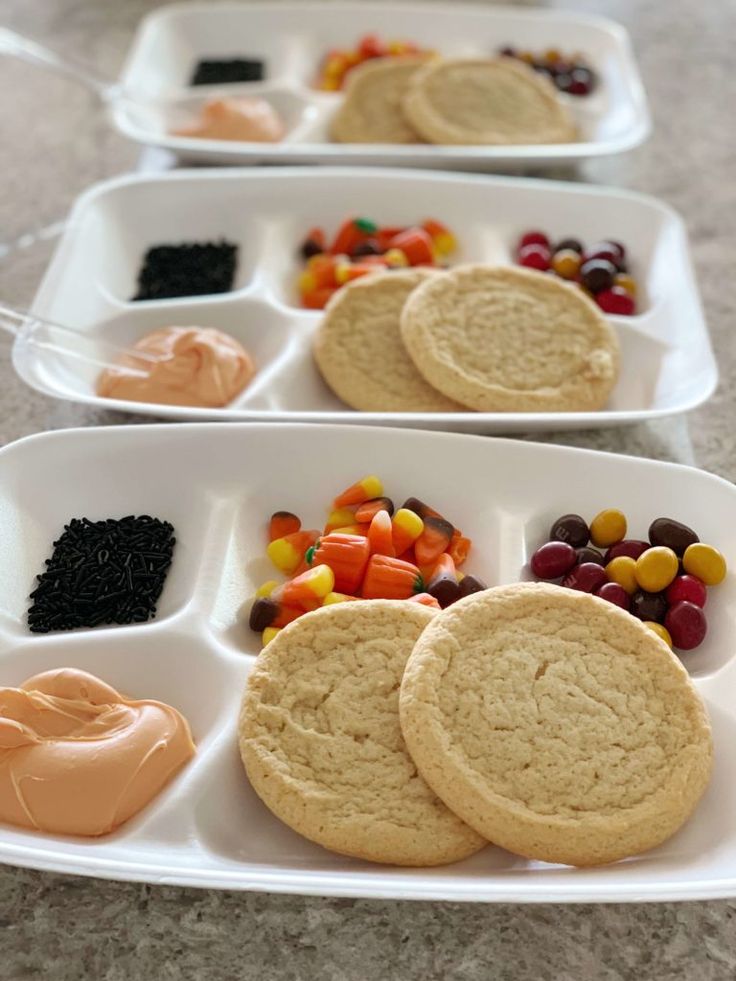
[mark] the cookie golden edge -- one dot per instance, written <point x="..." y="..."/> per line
<point x="450" y="379"/>
<point x="382" y="843"/>
<point x="508" y="823"/>
<point x="431" y="127"/>
<point x="357" y="390"/>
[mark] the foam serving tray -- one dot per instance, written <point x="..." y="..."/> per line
<point x="218" y="484"/>
<point x="292" y="39"/>
<point x="667" y="362"/>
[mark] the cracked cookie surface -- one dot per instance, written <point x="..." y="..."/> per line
<point x="556" y="724"/>
<point x="321" y="743"/>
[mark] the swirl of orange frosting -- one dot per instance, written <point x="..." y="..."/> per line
<point x="200" y="366"/>
<point x="78" y="758"/>
<point x="242" y="118"/>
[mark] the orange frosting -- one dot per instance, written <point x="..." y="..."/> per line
<point x="78" y="758"/>
<point x="242" y="118"/>
<point x="201" y="367"/>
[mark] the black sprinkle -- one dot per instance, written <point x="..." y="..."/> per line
<point x="187" y="269"/>
<point x="220" y="71"/>
<point x="109" y="571"/>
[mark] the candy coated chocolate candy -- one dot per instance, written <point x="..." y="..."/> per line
<point x="615" y="594"/>
<point x="705" y="562"/>
<point x="649" y="606"/>
<point x="570" y="243"/>
<point x="686" y="624"/>
<point x="535" y="257"/>
<point x="587" y="554"/>
<point x="656" y="568"/>
<point x="553" y="560"/>
<point x="608" y="527"/>
<point x="687" y="588"/>
<point x="533" y="238"/>
<point x="629" y="546"/>
<point x="617" y="301"/>
<point x="587" y="577"/>
<point x="570" y="528"/>
<point x="597" y="274"/>
<point x="673" y="534"/>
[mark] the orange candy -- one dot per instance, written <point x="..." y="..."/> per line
<point x="347" y="556"/>
<point x="388" y="578"/>
<point x="380" y="535"/>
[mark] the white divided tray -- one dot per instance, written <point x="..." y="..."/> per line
<point x="667" y="362"/>
<point x="218" y="484"/>
<point x="292" y="39"/>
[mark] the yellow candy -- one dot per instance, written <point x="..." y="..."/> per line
<point x="372" y="486"/>
<point x="705" y="562"/>
<point x="395" y="258"/>
<point x="409" y="522"/>
<point x="626" y="282"/>
<point x="349" y="530"/>
<point x="332" y="598"/>
<point x="320" y="580"/>
<point x="334" y="67"/>
<point x="267" y="588"/>
<point x="306" y="282"/>
<point x="397" y="47"/>
<point x="330" y="84"/>
<point x="268" y="634"/>
<point x="283" y="555"/>
<point x="656" y="568"/>
<point x="608" y="527"/>
<point x="662" y="632"/>
<point x="340" y="517"/>
<point x="622" y="570"/>
<point x="342" y="272"/>
<point x="445" y="243"/>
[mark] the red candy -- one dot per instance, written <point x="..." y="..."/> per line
<point x="535" y="256"/>
<point x="533" y="238"/>
<point x="588" y="577"/>
<point x="688" y="589"/>
<point x="553" y="560"/>
<point x="617" y="301"/>
<point x="687" y="625"/>
<point x="603" y="250"/>
<point x="615" y="594"/>
<point x="630" y="547"/>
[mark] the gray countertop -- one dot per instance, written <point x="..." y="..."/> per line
<point x="55" y="142"/>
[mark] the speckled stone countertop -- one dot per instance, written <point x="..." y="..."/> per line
<point x="55" y="141"/>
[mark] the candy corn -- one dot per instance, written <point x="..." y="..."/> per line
<point x="286" y="553"/>
<point x="366" y="551"/>
<point x="406" y="527"/>
<point x="379" y="535"/>
<point x="282" y="523"/>
<point x="359" y="492"/>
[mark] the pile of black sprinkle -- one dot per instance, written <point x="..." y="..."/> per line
<point x="220" y="71"/>
<point x="109" y="571"/>
<point x="188" y="269"/>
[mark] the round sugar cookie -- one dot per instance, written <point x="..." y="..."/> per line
<point x="321" y="742"/>
<point x="486" y="101"/>
<point x="371" y="110"/>
<point x="503" y="339"/>
<point x="555" y="724"/>
<point x="359" y="351"/>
